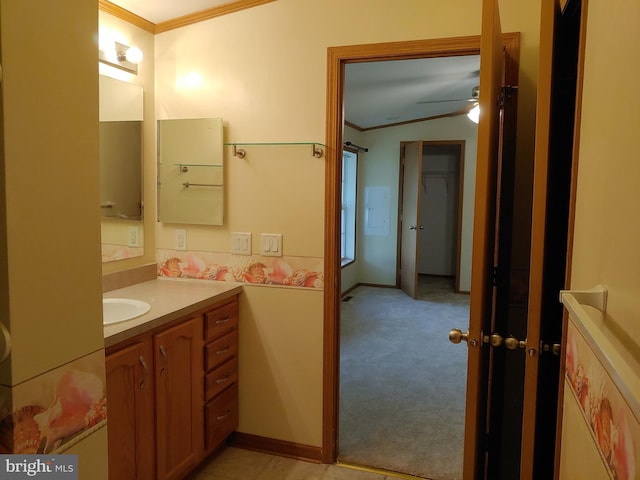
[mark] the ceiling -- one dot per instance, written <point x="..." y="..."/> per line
<point x="158" y="11"/>
<point x="376" y="93"/>
<point x="384" y="93"/>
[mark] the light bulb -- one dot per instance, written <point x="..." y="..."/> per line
<point x="474" y="113"/>
<point x="134" y="55"/>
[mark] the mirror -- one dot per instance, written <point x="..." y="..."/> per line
<point x="190" y="183"/>
<point x="121" y="167"/>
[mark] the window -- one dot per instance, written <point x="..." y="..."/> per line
<point x="348" y="223"/>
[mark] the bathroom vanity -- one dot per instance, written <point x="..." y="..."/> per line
<point x="172" y="378"/>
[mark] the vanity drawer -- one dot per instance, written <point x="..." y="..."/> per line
<point x="221" y="320"/>
<point x="221" y="417"/>
<point x="221" y="350"/>
<point x="220" y="378"/>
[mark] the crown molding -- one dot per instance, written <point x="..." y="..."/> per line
<point x="127" y="16"/>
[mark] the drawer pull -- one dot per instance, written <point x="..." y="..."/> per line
<point x="223" y="351"/>
<point x="144" y="372"/>
<point x="222" y="379"/>
<point x="164" y="360"/>
<point x="222" y="417"/>
<point x="223" y="320"/>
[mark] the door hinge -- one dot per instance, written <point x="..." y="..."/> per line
<point x="506" y="94"/>
<point x="494" y="276"/>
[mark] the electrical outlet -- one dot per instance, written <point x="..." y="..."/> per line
<point x="241" y="243"/>
<point x="132" y="239"/>
<point x="271" y="245"/>
<point x="181" y="239"/>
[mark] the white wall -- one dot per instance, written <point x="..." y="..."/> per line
<point x="377" y="254"/>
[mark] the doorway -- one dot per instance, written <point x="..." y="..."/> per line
<point x="337" y="58"/>
<point x="402" y="409"/>
<point x="406" y="413"/>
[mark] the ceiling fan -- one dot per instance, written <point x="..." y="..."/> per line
<point x="475" y="95"/>
<point x="472" y="110"/>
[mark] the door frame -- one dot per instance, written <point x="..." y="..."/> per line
<point x="337" y="58"/>
<point x="461" y="144"/>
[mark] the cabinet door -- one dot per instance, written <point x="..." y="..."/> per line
<point x="179" y="398"/>
<point x="130" y="412"/>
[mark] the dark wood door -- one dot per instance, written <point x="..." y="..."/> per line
<point x="555" y="121"/>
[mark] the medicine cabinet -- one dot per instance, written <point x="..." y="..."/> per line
<point x="190" y="171"/>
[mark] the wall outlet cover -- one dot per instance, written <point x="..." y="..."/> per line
<point x="181" y="239"/>
<point x="133" y="234"/>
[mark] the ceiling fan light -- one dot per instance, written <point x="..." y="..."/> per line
<point x="474" y="113"/>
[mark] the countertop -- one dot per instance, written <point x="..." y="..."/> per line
<point x="170" y="299"/>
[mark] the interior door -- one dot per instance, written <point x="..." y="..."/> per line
<point x="554" y="146"/>
<point x="484" y="237"/>
<point x="411" y="193"/>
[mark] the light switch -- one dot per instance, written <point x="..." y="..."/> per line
<point x="241" y="243"/>
<point x="271" y="244"/>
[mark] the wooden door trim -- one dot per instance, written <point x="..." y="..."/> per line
<point x="337" y="58"/>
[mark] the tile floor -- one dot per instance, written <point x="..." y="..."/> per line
<point x="239" y="464"/>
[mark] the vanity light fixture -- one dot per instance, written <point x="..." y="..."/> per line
<point x="120" y="56"/>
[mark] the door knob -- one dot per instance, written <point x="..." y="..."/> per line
<point x="413" y="227"/>
<point x="456" y="335"/>
<point x="512" y="343"/>
<point x="495" y="340"/>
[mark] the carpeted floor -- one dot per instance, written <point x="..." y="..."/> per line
<point x="402" y="383"/>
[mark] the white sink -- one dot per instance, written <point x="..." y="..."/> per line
<point x="120" y="309"/>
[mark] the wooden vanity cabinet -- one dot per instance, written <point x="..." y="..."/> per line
<point x="178" y="377"/>
<point x="172" y="395"/>
<point x="221" y="373"/>
<point x="130" y="392"/>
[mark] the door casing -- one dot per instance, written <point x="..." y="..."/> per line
<point x="337" y="58"/>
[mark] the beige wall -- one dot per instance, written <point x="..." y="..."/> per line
<point x="50" y="107"/>
<point x="263" y="70"/>
<point x="131" y="35"/>
<point x="50" y="262"/>
<point x="607" y="232"/>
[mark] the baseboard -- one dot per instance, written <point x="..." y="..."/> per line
<point x="376" y="285"/>
<point x="276" y="447"/>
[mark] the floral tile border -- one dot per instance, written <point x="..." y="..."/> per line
<point x="111" y="252"/>
<point x="613" y="425"/>
<point x="53" y="411"/>
<point x="300" y="272"/>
